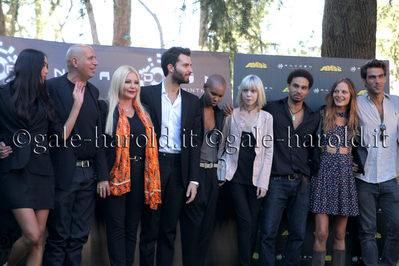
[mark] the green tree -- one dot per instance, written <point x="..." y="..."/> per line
<point x="349" y="28"/>
<point x="388" y="30"/>
<point x="233" y="26"/>
<point x="9" y="25"/>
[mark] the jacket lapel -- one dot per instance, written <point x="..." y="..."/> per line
<point x="39" y="114"/>
<point x="5" y="95"/>
<point x="65" y="95"/>
<point x="184" y="108"/>
<point x="157" y="98"/>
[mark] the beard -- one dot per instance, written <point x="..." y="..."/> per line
<point x="179" y="78"/>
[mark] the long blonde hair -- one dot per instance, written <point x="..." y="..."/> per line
<point x="351" y="110"/>
<point x="116" y="88"/>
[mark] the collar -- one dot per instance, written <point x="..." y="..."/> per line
<point x="304" y="105"/>
<point x="366" y="94"/>
<point x="163" y="91"/>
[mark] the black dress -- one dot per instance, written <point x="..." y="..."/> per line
<point x="26" y="175"/>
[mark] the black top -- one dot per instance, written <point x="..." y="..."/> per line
<point x="246" y="158"/>
<point x="137" y="137"/>
<point x="291" y="152"/>
<point x="86" y="122"/>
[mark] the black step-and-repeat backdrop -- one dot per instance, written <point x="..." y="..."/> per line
<point x="146" y="61"/>
<point x="273" y="70"/>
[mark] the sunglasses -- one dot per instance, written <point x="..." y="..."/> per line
<point x="383" y="128"/>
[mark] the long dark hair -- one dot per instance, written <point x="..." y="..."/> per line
<point x="27" y="85"/>
<point x="351" y="110"/>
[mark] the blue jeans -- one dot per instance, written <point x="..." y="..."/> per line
<point x="386" y="195"/>
<point x="70" y="221"/>
<point x="283" y="192"/>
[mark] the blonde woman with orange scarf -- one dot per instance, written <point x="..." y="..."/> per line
<point x="132" y="157"/>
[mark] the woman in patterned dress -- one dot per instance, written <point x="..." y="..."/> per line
<point x="333" y="189"/>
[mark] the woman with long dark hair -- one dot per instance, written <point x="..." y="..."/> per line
<point x="26" y="176"/>
<point x="133" y="166"/>
<point x="333" y="189"/>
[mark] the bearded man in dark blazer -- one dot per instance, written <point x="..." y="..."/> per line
<point x="176" y="117"/>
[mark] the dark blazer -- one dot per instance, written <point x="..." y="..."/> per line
<point x="219" y="116"/>
<point x="190" y="122"/>
<point x="29" y="143"/>
<point x="65" y="156"/>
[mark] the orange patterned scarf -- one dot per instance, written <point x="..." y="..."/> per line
<point x="120" y="173"/>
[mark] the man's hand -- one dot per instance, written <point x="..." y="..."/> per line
<point x="78" y="93"/>
<point x="355" y="167"/>
<point x="103" y="189"/>
<point x="191" y="192"/>
<point x="228" y="109"/>
<point x="260" y="192"/>
<point x="4" y="150"/>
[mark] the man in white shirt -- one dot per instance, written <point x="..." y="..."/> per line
<point x="176" y="117"/>
<point x="378" y="117"/>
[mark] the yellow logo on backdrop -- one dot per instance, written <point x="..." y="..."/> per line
<point x="362" y="92"/>
<point x="377" y="235"/>
<point x="286" y="90"/>
<point x="328" y="258"/>
<point x="285" y="233"/>
<point x="256" y="65"/>
<point x="331" y="68"/>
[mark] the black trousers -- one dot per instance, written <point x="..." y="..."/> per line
<point x="159" y="227"/>
<point x="70" y="221"/>
<point x="198" y="219"/>
<point x="122" y="215"/>
<point x="247" y="208"/>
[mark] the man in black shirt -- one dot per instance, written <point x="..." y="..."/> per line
<point x="294" y="123"/>
<point x="78" y="163"/>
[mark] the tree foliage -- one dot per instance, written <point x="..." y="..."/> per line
<point x="349" y="28"/>
<point x="388" y="31"/>
<point x="233" y="25"/>
<point x="9" y="25"/>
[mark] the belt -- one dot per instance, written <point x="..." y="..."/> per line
<point x="136" y="158"/>
<point x="169" y="155"/>
<point x="293" y="177"/>
<point x="84" y="163"/>
<point x="210" y="165"/>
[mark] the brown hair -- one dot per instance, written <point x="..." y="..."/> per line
<point x="351" y="111"/>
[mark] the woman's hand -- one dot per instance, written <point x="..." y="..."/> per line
<point x="78" y="93"/>
<point x="4" y="150"/>
<point x="103" y="189"/>
<point x="261" y="192"/>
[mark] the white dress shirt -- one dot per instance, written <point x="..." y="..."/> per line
<point x="382" y="157"/>
<point x="170" y="141"/>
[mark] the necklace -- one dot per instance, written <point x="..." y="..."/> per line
<point x="126" y="110"/>
<point x="292" y="113"/>
<point x="341" y="114"/>
<point x="243" y="106"/>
